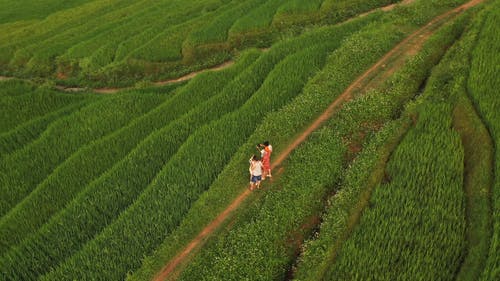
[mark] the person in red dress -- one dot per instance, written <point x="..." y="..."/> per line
<point x="265" y="152"/>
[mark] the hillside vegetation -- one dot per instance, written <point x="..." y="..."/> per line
<point x="384" y="124"/>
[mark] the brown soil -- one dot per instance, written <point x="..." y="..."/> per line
<point x="422" y="34"/>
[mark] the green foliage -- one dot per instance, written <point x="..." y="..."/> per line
<point x="117" y="42"/>
<point x="366" y="171"/>
<point x="11" y="11"/>
<point x="18" y="109"/>
<point x="277" y="126"/>
<point x="186" y="176"/>
<point x="256" y="239"/>
<point x="76" y="171"/>
<point x="24" y="169"/>
<point x="414" y="226"/>
<point x="14" y="87"/>
<point x="29" y="131"/>
<point x="482" y="82"/>
<point x="100" y="201"/>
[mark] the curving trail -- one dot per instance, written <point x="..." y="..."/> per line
<point x="406" y="47"/>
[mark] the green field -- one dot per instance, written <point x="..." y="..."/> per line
<point x="110" y="168"/>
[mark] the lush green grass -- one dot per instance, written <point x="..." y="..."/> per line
<point x="23" y="170"/>
<point x="285" y="213"/>
<point x="482" y="82"/>
<point x="11" y="11"/>
<point x="117" y="42"/>
<point x="79" y="169"/>
<point x="29" y="131"/>
<point x="366" y="171"/>
<point x="112" y="187"/>
<point x="15" y="110"/>
<point x="14" y="87"/>
<point x="187" y="175"/>
<point x="100" y="202"/>
<point x="414" y="227"/>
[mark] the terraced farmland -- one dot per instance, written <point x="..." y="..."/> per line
<point x="127" y="127"/>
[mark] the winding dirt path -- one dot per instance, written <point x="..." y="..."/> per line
<point x="421" y="34"/>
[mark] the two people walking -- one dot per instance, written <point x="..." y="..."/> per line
<point x="260" y="167"/>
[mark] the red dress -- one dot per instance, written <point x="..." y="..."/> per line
<point x="266" y="160"/>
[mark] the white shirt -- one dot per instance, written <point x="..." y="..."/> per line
<point x="256" y="167"/>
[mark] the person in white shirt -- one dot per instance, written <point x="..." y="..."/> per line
<point x="255" y="172"/>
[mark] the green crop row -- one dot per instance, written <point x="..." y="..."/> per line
<point x="117" y="43"/>
<point x="254" y="26"/>
<point x="38" y="58"/>
<point x="109" y="42"/>
<point x="188" y="174"/>
<point x="92" y="160"/>
<point x="165" y="48"/>
<point x="9" y="29"/>
<point x="478" y="179"/>
<point x="296" y="12"/>
<point x="158" y="30"/>
<point x="14" y="87"/>
<point x="22" y="171"/>
<point x="478" y="160"/>
<point x="74" y="173"/>
<point x="27" y="132"/>
<point x="27" y="10"/>
<point x="16" y="110"/>
<point x="126" y="175"/>
<point x="367" y="169"/>
<point x="482" y="84"/>
<point x="334" y="10"/>
<point x="56" y="24"/>
<point x="101" y="202"/>
<point x="280" y="127"/>
<point x="213" y="37"/>
<point x="414" y="226"/>
<point x="284" y="212"/>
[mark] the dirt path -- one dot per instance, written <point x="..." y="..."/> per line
<point x="422" y="34"/>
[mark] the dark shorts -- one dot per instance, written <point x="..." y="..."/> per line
<point x="256" y="179"/>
